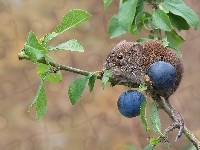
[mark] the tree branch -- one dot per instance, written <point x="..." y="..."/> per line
<point x="163" y="104"/>
<point x="60" y="66"/>
<point x="175" y="116"/>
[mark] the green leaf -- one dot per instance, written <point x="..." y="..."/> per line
<point x="184" y="11"/>
<point x="142" y="40"/>
<point x="178" y="22"/>
<point x="165" y="42"/>
<point x="106" y="3"/>
<point x="140" y="2"/>
<point x="72" y="45"/>
<point x="52" y="77"/>
<point x="107" y="74"/>
<point x="137" y="24"/>
<point x="70" y="20"/>
<point x="143" y="114"/>
<point x="136" y="28"/>
<point x="33" y="49"/>
<point x="175" y="1"/>
<point x="76" y="89"/>
<point x="48" y="37"/>
<point x="175" y="41"/>
<point x="141" y="19"/>
<point x="154" y="118"/>
<point x="146" y="19"/>
<point x="40" y="100"/>
<point x="114" y="28"/>
<point x="127" y="13"/>
<point x="139" y="11"/>
<point x="154" y="141"/>
<point x="161" y="20"/>
<point x="91" y="82"/>
<point x="41" y="104"/>
<point x="149" y="147"/>
<point x="142" y="87"/>
<point x="163" y="8"/>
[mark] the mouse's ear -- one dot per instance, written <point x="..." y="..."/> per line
<point x="138" y="48"/>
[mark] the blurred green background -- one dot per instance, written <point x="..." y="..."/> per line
<point x="94" y="123"/>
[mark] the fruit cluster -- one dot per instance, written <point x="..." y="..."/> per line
<point x="163" y="76"/>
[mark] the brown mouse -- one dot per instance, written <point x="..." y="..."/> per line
<point x="129" y="62"/>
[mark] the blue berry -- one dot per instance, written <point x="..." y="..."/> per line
<point x="162" y="75"/>
<point x="129" y="103"/>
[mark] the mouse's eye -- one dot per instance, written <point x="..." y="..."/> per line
<point x="120" y="57"/>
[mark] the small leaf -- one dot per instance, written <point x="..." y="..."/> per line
<point x="154" y="141"/>
<point x="139" y="11"/>
<point x="154" y="118"/>
<point x="76" y="89"/>
<point x="40" y="100"/>
<point x="142" y="40"/>
<point x="127" y="13"/>
<point x="143" y="114"/>
<point x="48" y="37"/>
<point x="146" y="19"/>
<point x="141" y="19"/>
<point x="33" y="49"/>
<point x="91" y="82"/>
<point x="149" y="147"/>
<point x="41" y="104"/>
<point x="165" y="42"/>
<point x="72" y="45"/>
<point x="107" y="3"/>
<point x="52" y="77"/>
<point x="107" y="74"/>
<point x="184" y="11"/>
<point x="114" y="28"/>
<point x="174" y="41"/>
<point x="136" y="27"/>
<point x="178" y="22"/>
<point x="161" y="20"/>
<point x="142" y="87"/>
<point x="70" y="20"/>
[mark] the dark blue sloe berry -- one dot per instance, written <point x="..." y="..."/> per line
<point x="129" y="103"/>
<point x="162" y="75"/>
